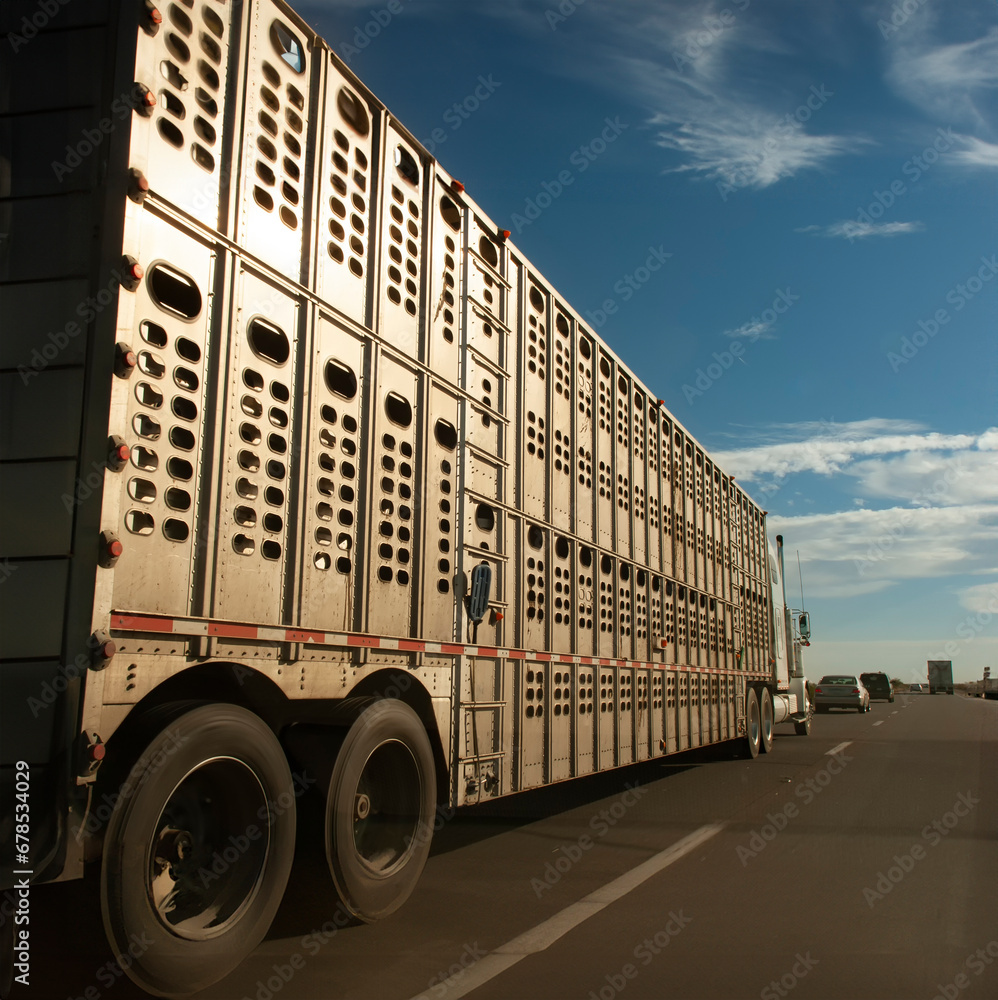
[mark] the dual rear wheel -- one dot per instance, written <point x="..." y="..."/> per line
<point x="199" y="844"/>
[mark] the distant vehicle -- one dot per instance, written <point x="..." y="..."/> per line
<point x="918" y="688"/>
<point x="940" y="676"/>
<point x="986" y="688"/>
<point x="879" y="685"/>
<point x="841" y="691"/>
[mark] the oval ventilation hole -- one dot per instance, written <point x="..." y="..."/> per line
<point x="206" y="102"/>
<point x="445" y="434"/>
<point x="246" y="489"/>
<point x="174" y="291"/>
<point x="353" y="111"/>
<point x="244" y="545"/>
<point x="170" y="133"/>
<point x="289" y="48"/>
<point x="144" y="458"/>
<point x="186" y="379"/>
<point x="340" y="379"/>
<point x="451" y="213"/>
<point x="138" y="522"/>
<point x="268" y="341"/>
<point x="146" y="427"/>
<point x="399" y="409"/>
<point x="406" y="164"/>
<point x="176" y="530"/>
<point x="202" y="157"/>
<point x="141" y="490"/>
<point x="485" y="517"/>
<point x="182" y="438"/>
<point x="213" y="21"/>
<point x="178" y="499"/>
<point x="488" y="251"/>
<point x="184" y="408"/>
<point x="148" y="396"/>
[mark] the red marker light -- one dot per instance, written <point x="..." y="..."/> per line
<point x="457" y="186"/>
<point x="136" y="272"/>
<point x="123" y="452"/>
<point x="97" y="751"/>
<point x="115" y="548"/>
<point x="155" y="16"/>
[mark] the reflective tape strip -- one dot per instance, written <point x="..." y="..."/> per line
<point x="233" y="630"/>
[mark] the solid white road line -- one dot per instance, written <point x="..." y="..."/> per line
<point x="880" y="723"/>
<point x="838" y="749"/>
<point x="546" y="933"/>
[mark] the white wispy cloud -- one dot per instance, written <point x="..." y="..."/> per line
<point x="941" y="494"/>
<point x="856" y="552"/>
<point x="753" y="330"/>
<point x="949" y="80"/>
<point x="982" y="598"/>
<point x="833" y="448"/>
<point x="850" y="229"/>
<point x="741" y="147"/>
<point x="978" y="152"/>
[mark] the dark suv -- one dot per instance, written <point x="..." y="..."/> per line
<point x="879" y="685"/>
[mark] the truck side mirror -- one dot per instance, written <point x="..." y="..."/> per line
<point x="804" y="625"/>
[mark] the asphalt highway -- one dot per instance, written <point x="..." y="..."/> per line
<point x="858" y="862"/>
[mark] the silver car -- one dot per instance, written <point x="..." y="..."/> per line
<point x="841" y="691"/>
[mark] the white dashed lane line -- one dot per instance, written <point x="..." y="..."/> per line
<point x="546" y="933"/>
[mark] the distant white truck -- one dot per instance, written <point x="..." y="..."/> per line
<point x="940" y="676"/>
<point x="986" y="688"/>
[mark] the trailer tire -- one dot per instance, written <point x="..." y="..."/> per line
<point x="753" y="736"/>
<point x="380" y="809"/>
<point x="198" y="848"/>
<point x="766" y="717"/>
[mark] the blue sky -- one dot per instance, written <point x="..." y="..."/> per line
<point x="823" y="179"/>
